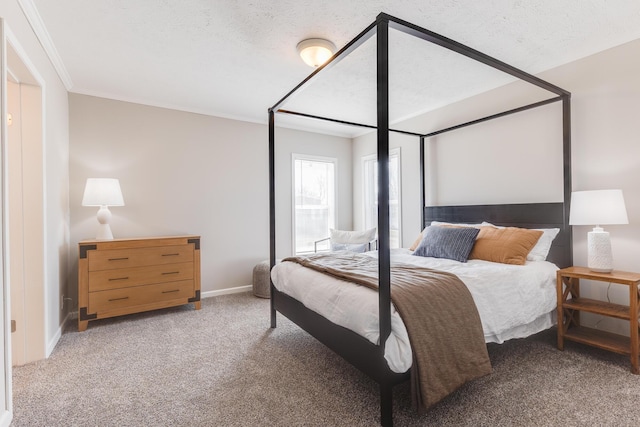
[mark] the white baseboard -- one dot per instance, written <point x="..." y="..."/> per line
<point x="227" y="291"/>
<point x="54" y="341"/>
<point x="6" y="418"/>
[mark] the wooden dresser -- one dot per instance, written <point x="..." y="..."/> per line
<point x="124" y="276"/>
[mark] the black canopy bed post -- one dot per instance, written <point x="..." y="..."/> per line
<point x="272" y="209"/>
<point x="384" y="264"/>
<point x="566" y="157"/>
<point x="384" y="252"/>
<point x="423" y="185"/>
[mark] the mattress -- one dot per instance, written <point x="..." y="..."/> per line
<point x="513" y="301"/>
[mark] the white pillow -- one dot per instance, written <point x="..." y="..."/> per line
<point x="540" y="251"/>
<point x="352" y="237"/>
<point x="350" y="247"/>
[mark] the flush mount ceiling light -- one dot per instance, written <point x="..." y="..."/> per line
<point x="315" y="52"/>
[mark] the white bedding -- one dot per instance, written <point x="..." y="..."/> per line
<point x="513" y="301"/>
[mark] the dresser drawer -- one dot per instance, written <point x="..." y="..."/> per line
<point x="126" y="277"/>
<point x="116" y="299"/>
<point x="138" y="257"/>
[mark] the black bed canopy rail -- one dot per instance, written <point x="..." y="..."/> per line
<point x="343" y="122"/>
<point x="494" y="116"/>
<point x="432" y="133"/>
<point x="447" y="43"/>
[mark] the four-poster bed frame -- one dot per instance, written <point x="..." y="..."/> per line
<point x="357" y="350"/>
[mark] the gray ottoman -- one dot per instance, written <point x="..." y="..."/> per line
<point x="261" y="282"/>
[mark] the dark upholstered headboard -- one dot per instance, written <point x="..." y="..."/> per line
<point x="528" y="215"/>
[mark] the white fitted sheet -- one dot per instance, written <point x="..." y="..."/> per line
<point x="513" y="301"/>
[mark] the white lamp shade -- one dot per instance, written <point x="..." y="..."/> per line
<point x="315" y="52"/>
<point x="598" y="207"/>
<point x="102" y="192"/>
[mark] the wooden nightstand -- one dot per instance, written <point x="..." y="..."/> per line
<point x="568" y="285"/>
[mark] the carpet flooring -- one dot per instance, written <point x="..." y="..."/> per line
<point x="223" y="366"/>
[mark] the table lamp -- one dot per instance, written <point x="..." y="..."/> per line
<point x="103" y="192"/>
<point x="597" y="208"/>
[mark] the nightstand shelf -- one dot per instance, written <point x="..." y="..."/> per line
<point x="570" y="304"/>
<point x="599" y="307"/>
<point x="601" y="339"/>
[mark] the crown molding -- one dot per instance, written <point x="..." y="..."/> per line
<point x="33" y="16"/>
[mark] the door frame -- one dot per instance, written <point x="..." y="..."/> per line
<point x="6" y="412"/>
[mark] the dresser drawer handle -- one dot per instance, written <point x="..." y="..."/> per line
<point x="176" y="254"/>
<point x="118" y="299"/>
<point x="170" y="272"/>
<point x="119" y="259"/>
<point x="118" y="278"/>
<point x="168" y="292"/>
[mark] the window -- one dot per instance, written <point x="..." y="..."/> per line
<point x="370" y="183"/>
<point x="314" y="201"/>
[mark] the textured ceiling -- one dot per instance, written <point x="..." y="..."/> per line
<point x="236" y="58"/>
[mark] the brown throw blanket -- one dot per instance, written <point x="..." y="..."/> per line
<point x="440" y="316"/>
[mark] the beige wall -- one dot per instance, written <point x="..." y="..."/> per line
<point x="189" y="173"/>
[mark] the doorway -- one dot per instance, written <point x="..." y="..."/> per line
<point x="24" y="207"/>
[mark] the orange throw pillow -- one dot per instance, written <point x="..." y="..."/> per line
<point x="416" y="243"/>
<point x="509" y="245"/>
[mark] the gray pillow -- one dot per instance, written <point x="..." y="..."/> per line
<point x="447" y="242"/>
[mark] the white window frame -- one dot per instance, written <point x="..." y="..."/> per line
<point x="366" y="190"/>
<point x="307" y="157"/>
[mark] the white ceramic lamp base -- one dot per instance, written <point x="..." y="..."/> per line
<point x="600" y="258"/>
<point x="104" y="230"/>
